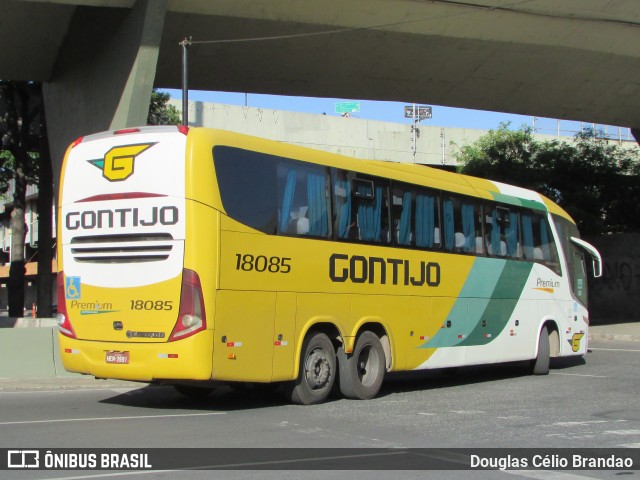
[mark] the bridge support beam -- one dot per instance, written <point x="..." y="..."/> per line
<point x="104" y="73"/>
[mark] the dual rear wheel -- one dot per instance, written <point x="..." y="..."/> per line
<point x="359" y="375"/>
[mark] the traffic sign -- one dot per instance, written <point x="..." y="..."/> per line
<point x="347" y="107"/>
<point x="421" y="111"/>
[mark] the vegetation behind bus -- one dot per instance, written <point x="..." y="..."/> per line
<point x="596" y="180"/>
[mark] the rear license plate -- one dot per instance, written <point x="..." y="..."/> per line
<point x="117" y="357"/>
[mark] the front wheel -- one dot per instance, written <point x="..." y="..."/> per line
<point x="317" y="371"/>
<point x="362" y="373"/>
<point x="540" y="365"/>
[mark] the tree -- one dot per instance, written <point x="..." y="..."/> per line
<point x="19" y="132"/>
<point x="596" y="181"/>
<point x="160" y="112"/>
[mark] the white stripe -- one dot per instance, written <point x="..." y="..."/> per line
<point x="547" y="475"/>
<point x="578" y="375"/>
<point x="91" y="419"/>
<point x="64" y="390"/>
<point x="614" y="349"/>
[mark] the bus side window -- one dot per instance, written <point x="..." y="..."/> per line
<point x="462" y="229"/>
<point x="371" y="210"/>
<point x="342" y="205"/>
<point x="502" y="231"/>
<point x="415" y="218"/>
<point x="402" y="213"/>
<point x="303" y="207"/>
<point x="538" y="242"/>
<point x="427" y="224"/>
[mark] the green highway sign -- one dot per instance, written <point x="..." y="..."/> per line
<point x="347" y="107"/>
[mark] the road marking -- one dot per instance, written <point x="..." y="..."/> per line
<point x="91" y="419"/>
<point x="547" y="475"/>
<point x="578" y="375"/>
<point x="578" y="423"/>
<point x="622" y="432"/>
<point x="62" y="390"/>
<point x="614" y="349"/>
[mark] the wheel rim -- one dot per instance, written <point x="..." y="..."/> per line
<point x="368" y="365"/>
<point x="317" y="369"/>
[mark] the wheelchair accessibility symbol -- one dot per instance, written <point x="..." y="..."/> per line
<point x="72" y="288"/>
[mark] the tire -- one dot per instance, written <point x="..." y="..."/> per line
<point x="317" y="372"/>
<point x="540" y="365"/>
<point x="361" y="374"/>
<point x="193" y="392"/>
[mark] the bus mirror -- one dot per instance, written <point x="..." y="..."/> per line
<point x="593" y="252"/>
<point x="597" y="268"/>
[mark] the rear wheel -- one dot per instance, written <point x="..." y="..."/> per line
<point x="317" y="371"/>
<point x="362" y="373"/>
<point x="540" y="365"/>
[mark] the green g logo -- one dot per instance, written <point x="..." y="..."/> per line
<point x="117" y="164"/>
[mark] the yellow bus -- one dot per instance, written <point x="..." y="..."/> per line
<point x="197" y="257"/>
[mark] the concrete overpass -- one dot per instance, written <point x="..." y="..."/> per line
<point x="575" y="59"/>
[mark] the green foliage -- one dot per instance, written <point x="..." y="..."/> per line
<point x="596" y="181"/>
<point x="160" y="112"/>
<point x="19" y="131"/>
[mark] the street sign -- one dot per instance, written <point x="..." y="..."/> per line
<point x="422" y="111"/>
<point x="347" y="107"/>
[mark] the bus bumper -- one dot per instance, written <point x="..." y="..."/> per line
<point x="187" y="359"/>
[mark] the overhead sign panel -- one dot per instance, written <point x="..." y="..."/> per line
<point x="347" y="107"/>
<point x="421" y="111"/>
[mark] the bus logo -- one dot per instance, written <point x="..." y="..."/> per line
<point x="72" y="288"/>
<point x="117" y="164"/>
<point x="575" y="341"/>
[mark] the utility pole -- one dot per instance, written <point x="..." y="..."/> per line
<point x="185" y="80"/>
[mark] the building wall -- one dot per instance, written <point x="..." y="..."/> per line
<point x="614" y="296"/>
<point x="354" y="137"/>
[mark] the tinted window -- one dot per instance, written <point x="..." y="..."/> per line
<point x="415" y="216"/>
<point x="502" y="231"/>
<point x="537" y="240"/>
<point x="361" y="207"/>
<point x="273" y="194"/>
<point x="303" y="199"/>
<point x="247" y="183"/>
<point x="461" y="224"/>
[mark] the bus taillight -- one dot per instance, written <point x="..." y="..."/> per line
<point x="64" y="325"/>
<point x="191" y="316"/>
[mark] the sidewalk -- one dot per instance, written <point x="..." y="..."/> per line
<point x="622" y="332"/>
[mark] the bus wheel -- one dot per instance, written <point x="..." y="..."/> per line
<point x="317" y="371"/>
<point x="193" y="392"/>
<point x="540" y="364"/>
<point x="362" y="373"/>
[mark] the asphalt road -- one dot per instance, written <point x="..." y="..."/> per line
<point x="583" y="403"/>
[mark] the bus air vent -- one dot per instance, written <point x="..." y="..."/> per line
<point x="122" y="248"/>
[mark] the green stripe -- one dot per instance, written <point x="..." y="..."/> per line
<point x="503" y="302"/>
<point x="489" y="295"/>
<point x="520" y="202"/>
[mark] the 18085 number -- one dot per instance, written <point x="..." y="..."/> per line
<point x="261" y="263"/>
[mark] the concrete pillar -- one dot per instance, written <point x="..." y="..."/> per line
<point x="104" y="73"/>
